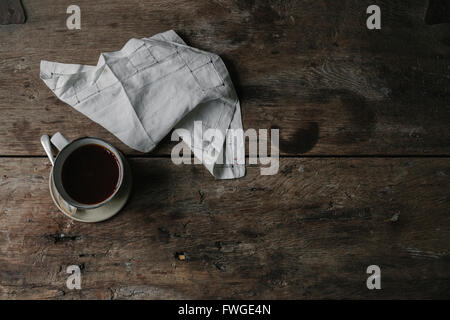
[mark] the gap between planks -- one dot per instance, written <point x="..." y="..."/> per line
<point x="344" y="156"/>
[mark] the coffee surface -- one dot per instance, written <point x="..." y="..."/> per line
<point x="90" y="174"/>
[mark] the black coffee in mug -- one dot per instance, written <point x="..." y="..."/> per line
<point x="90" y="174"/>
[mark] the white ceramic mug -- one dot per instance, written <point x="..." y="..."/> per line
<point x="65" y="149"/>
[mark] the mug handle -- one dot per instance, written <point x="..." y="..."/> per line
<point x="59" y="141"/>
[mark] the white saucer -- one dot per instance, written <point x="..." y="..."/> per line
<point x="101" y="213"/>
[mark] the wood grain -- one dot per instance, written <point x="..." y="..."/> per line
<point x="371" y="108"/>
<point x="308" y="232"/>
<point x="310" y="68"/>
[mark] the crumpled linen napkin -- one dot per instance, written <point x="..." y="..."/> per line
<point x="153" y="85"/>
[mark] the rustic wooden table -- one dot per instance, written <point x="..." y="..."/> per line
<point x="364" y="169"/>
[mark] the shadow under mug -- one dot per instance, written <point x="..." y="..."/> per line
<point x="65" y="149"/>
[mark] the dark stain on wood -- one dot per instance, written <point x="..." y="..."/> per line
<point x="438" y="12"/>
<point x="11" y="12"/>
<point x="303" y="140"/>
<point x="360" y="115"/>
<point x="163" y="235"/>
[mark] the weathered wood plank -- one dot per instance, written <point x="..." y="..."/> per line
<point x="310" y="68"/>
<point x="308" y="232"/>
